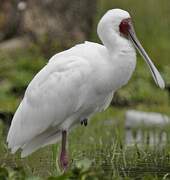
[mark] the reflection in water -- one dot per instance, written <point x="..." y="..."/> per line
<point x="149" y="137"/>
<point x="146" y="128"/>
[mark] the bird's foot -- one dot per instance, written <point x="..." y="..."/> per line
<point x="84" y="122"/>
<point x="64" y="160"/>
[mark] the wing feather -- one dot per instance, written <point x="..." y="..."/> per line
<point x="51" y="97"/>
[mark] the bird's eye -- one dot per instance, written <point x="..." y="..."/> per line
<point x="124" y="26"/>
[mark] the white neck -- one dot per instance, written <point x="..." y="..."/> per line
<point x="122" y="56"/>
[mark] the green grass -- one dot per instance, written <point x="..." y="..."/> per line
<point x="98" y="151"/>
<point x="16" y="71"/>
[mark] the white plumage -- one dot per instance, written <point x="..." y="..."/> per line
<point x="75" y="84"/>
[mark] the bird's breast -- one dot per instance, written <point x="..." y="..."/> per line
<point x="123" y="67"/>
<point x="116" y="73"/>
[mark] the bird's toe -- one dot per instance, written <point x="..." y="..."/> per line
<point x="84" y="121"/>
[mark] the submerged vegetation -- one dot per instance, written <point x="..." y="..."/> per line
<point x="98" y="151"/>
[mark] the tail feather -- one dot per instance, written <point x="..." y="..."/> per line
<point x="50" y="136"/>
<point x="14" y="149"/>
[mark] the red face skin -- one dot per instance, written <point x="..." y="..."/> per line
<point x="125" y="26"/>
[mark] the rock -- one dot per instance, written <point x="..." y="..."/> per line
<point x="56" y="22"/>
<point x="15" y="43"/>
<point x="50" y="23"/>
<point x="9" y="19"/>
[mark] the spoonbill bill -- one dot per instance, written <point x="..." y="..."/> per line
<point x="76" y="84"/>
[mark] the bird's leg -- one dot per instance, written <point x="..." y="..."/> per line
<point x="64" y="160"/>
<point x="84" y="121"/>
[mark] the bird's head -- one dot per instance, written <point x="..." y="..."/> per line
<point x="116" y="25"/>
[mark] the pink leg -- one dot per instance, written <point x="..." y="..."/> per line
<point x="64" y="160"/>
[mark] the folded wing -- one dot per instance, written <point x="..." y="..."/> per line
<point x="51" y="97"/>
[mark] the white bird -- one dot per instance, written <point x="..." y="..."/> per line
<point x="75" y="84"/>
